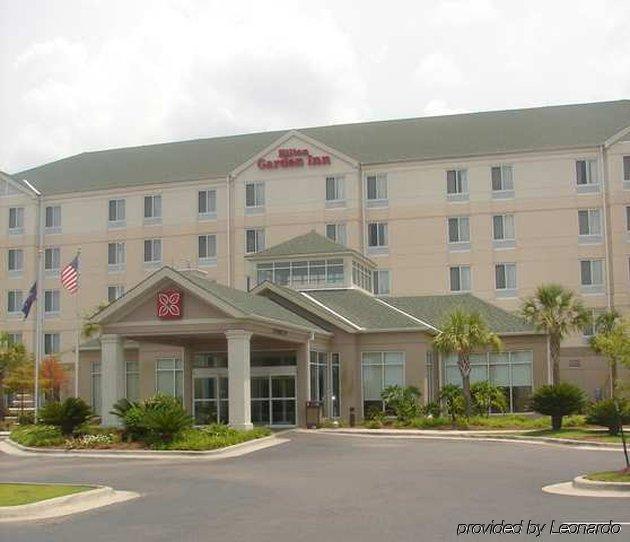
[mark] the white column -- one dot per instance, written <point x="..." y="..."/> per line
<point x="112" y="376"/>
<point x="239" y="378"/>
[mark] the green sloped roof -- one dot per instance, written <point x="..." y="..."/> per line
<point x="435" y="308"/>
<point x="451" y="136"/>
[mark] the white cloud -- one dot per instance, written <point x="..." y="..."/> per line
<point x="439" y="69"/>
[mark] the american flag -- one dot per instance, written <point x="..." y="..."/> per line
<point x="70" y="276"/>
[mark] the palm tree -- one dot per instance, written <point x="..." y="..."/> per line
<point x="463" y="333"/>
<point x="556" y="311"/>
<point x="612" y="339"/>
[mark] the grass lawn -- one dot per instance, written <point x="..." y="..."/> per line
<point x="15" y="494"/>
<point x="578" y="434"/>
<point x="610" y="476"/>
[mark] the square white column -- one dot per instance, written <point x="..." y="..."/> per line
<point x="239" y="378"/>
<point x="112" y="376"/>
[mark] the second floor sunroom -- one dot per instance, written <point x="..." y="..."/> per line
<point x="312" y="262"/>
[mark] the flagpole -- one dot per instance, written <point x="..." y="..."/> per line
<point x="78" y="333"/>
<point x="39" y="318"/>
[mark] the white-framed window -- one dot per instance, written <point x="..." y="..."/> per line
<point x="376" y="190"/>
<point x="254" y="240"/>
<point x="299" y="274"/>
<point x="114" y="292"/>
<point x="586" y="174"/>
<point x="207" y="203"/>
<point x="207" y="249"/>
<point x="626" y="172"/>
<point x="457" y="184"/>
<point x="95" y="381"/>
<point x="503" y="231"/>
<point x="16" y="220"/>
<point x="152" y="251"/>
<point x="15" y="337"/>
<point x="254" y="196"/>
<point x="15" y="262"/>
<point x="52" y="344"/>
<point x="15" y="300"/>
<point x="116" y="213"/>
<point x="335" y="191"/>
<point x="337" y="232"/>
<point x="380" y="369"/>
<point x="459" y="278"/>
<point x="116" y="256"/>
<point x="169" y="377"/>
<point x="458" y="232"/>
<point x="132" y="380"/>
<point x="381" y="281"/>
<point x="52" y="302"/>
<point x="377" y="236"/>
<point x="589" y="225"/>
<point x="362" y="276"/>
<point x="628" y="218"/>
<point x="505" y="279"/>
<point x="52" y="261"/>
<point x="592" y="276"/>
<point x="52" y="219"/>
<point x="153" y="209"/>
<point x="502" y="181"/>
<point x="590" y="329"/>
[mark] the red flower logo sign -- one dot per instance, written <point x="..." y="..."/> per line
<point x="169" y="305"/>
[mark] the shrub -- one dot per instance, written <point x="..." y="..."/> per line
<point x="486" y="397"/>
<point x="605" y="413"/>
<point x="428" y="423"/>
<point x="452" y="398"/>
<point x="91" y="441"/>
<point x="214" y="436"/>
<point x="403" y="401"/>
<point x="558" y="401"/>
<point x="373" y="424"/>
<point x="92" y="429"/>
<point x="431" y="409"/>
<point x="37" y="435"/>
<point x="67" y="415"/>
<point x="26" y="418"/>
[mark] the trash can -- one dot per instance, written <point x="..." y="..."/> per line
<point x="313" y="414"/>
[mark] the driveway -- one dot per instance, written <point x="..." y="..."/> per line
<point x="325" y="488"/>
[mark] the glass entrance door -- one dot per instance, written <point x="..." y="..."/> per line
<point x="210" y="400"/>
<point x="273" y="400"/>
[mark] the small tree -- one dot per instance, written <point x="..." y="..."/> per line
<point x="21" y="379"/>
<point x="610" y="413"/>
<point x="53" y="377"/>
<point x="558" y="401"/>
<point x="462" y="334"/>
<point x="486" y="397"/>
<point x="403" y="401"/>
<point x="555" y="310"/>
<point x="612" y="340"/>
<point x="452" y="400"/>
<point x="11" y="355"/>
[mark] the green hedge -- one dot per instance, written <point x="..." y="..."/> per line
<point x="37" y="435"/>
<point x="214" y="436"/>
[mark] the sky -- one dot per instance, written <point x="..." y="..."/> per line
<point x="87" y="75"/>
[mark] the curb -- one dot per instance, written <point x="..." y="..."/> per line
<point x="66" y="504"/>
<point x="582" y="482"/>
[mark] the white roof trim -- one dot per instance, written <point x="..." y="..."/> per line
<point x="616" y="137"/>
<point x="418" y="320"/>
<point x="336" y="314"/>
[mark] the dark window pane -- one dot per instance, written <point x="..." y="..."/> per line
<point x="580" y="171"/>
<point x="496" y="178"/>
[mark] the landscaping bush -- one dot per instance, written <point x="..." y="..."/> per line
<point x="428" y="423"/>
<point x="605" y="413"/>
<point x="37" y="435"/>
<point x="66" y="415"/>
<point x="431" y="409"/>
<point x="103" y="440"/>
<point x="213" y="436"/>
<point x="92" y="429"/>
<point x="26" y="418"/>
<point x="487" y="397"/>
<point x="403" y="401"/>
<point x="452" y="399"/>
<point x="558" y="401"/>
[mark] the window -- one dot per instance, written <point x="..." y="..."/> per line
<point x="505" y="279"/>
<point x="459" y="277"/>
<point x="335" y="193"/>
<point x="169" y="377"/>
<point x="51" y="344"/>
<point x="592" y="276"/>
<point x="586" y="175"/>
<point x="15" y="261"/>
<point x="628" y="218"/>
<point x="53" y="219"/>
<point x="116" y="256"/>
<point x="95" y="375"/>
<point x="590" y="328"/>
<point x="207" y="203"/>
<point x="254" y="196"/>
<point x="132" y="381"/>
<point x="459" y="232"/>
<point x="51" y="302"/>
<point x="116" y="213"/>
<point x="152" y="251"/>
<point x="337" y="233"/>
<point x="152" y="209"/>
<point x="52" y="261"/>
<point x="15" y="337"/>
<point x="211" y="399"/>
<point x="380" y="369"/>
<point x="377" y="236"/>
<point x="114" y="292"/>
<point x="324" y="375"/>
<point x="376" y="188"/>
<point x="502" y="181"/>
<point x="590" y="225"/>
<point x="302" y="273"/>
<point x="15" y="300"/>
<point x="274" y="400"/>
<point x="254" y="240"/>
<point x="503" y="234"/>
<point x="626" y="171"/>
<point x="457" y="184"/>
<point x="207" y="249"/>
<point x="16" y="220"/>
<point x="382" y="282"/>
<point x="362" y="276"/>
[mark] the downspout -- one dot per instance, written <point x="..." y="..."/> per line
<point x="607" y="248"/>
<point x="363" y="211"/>
<point x="229" y="229"/>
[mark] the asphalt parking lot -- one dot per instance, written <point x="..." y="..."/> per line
<point x="325" y="488"/>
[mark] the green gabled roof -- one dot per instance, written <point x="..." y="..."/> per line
<point x="311" y="243"/>
<point x="435" y="308"/>
<point x="450" y="136"/>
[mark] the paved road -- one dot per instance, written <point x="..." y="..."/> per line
<point x="324" y="488"/>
